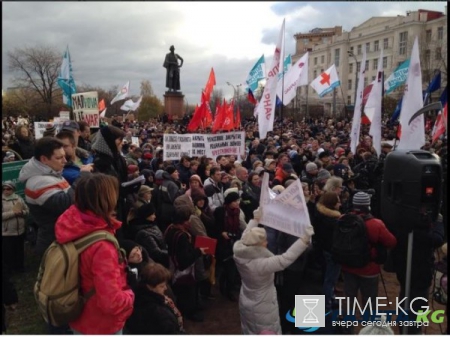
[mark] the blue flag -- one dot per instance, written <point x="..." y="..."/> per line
<point x="256" y="74"/>
<point x="443" y="98"/>
<point x="397" y="110"/>
<point x="65" y="79"/>
<point x="435" y="83"/>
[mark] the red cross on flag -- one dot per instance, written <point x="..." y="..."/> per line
<point x="326" y="81"/>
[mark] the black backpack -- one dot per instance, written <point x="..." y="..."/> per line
<point x="350" y="242"/>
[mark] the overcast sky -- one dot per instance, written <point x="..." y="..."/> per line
<point x="113" y="42"/>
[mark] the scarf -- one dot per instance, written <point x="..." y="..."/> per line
<point x="232" y="219"/>
<point x="176" y="312"/>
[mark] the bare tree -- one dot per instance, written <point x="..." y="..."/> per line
<point x="37" y="69"/>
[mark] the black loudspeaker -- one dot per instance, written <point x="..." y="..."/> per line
<point x="411" y="189"/>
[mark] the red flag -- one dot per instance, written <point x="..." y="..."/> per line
<point x="228" y="120"/>
<point x="218" y="118"/>
<point x="365" y="120"/>
<point x="237" y="122"/>
<point x="210" y="85"/>
<point x="101" y="105"/>
<point x="441" y="124"/>
<point x="195" y="120"/>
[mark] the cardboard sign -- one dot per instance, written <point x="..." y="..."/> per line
<point x="197" y="145"/>
<point x="64" y="116"/>
<point x="286" y="212"/>
<point x="85" y="108"/>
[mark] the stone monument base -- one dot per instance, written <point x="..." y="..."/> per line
<point x="174" y="104"/>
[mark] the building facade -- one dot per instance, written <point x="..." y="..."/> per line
<point x="394" y="35"/>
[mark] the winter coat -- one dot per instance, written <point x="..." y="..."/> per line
<point x="24" y="147"/>
<point x="13" y="225"/>
<point x="250" y="199"/>
<point x="48" y="195"/>
<point x="182" y="249"/>
<point x="324" y="223"/>
<point x="149" y="236"/>
<point x="167" y="192"/>
<point x="258" y="305"/>
<point x="377" y="233"/>
<point x="185" y="173"/>
<point x="108" y="309"/>
<point x="214" y="193"/>
<point x="151" y="316"/>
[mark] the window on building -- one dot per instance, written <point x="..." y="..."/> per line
<point x="428" y="35"/>
<point x="438" y="54"/>
<point x="315" y="73"/>
<point x="350" y="68"/>
<point x="349" y="100"/>
<point x="376" y="45"/>
<point x="375" y="64"/>
<point x="358" y="66"/>
<point x="321" y="70"/>
<point x="367" y="47"/>
<point x="384" y="62"/>
<point x="373" y="78"/>
<point x="337" y="54"/>
<point x="403" y="40"/>
<point x="305" y="41"/>
<point x="366" y="65"/>
<point x="365" y="81"/>
<point x="351" y="49"/>
<point x="359" y="50"/>
<point x="315" y="61"/>
<point x="349" y="87"/>
<point x="322" y="59"/>
<point x="427" y="55"/>
<point x="440" y="33"/>
<point x="385" y="43"/>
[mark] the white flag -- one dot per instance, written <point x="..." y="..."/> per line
<point x="137" y="104"/>
<point x="326" y="81"/>
<point x="103" y="114"/>
<point x="296" y="76"/>
<point x="266" y="107"/>
<point x="128" y="105"/>
<point x="412" y="135"/>
<point x="373" y="106"/>
<point x="356" y="122"/>
<point x="123" y="93"/>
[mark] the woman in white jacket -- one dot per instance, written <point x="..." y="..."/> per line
<point x="258" y="305"/>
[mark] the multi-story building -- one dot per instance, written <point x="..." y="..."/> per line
<point x="394" y="35"/>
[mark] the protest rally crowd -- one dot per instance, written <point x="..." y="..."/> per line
<point x="74" y="186"/>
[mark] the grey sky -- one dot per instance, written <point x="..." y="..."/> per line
<point x="113" y="42"/>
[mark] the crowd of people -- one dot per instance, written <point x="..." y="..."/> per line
<point x="76" y="182"/>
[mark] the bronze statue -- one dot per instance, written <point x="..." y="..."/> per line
<point x="173" y="69"/>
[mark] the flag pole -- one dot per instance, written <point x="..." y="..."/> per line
<point x="282" y="83"/>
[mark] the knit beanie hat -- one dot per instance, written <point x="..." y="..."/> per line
<point x="9" y="183"/>
<point x="231" y="194"/>
<point x="311" y="167"/>
<point x="50" y="128"/>
<point x="159" y="174"/>
<point x="323" y="174"/>
<point x="128" y="246"/>
<point x="267" y="163"/>
<point x="144" y="189"/>
<point x="145" y="211"/>
<point x="361" y="199"/>
<point x="254" y="236"/>
<point x="197" y="178"/>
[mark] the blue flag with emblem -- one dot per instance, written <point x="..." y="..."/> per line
<point x="65" y="79"/>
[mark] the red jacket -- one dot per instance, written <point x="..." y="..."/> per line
<point x="111" y="305"/>
<point x="377" y="233"/>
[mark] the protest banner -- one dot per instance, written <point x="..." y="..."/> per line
<point x="85" y="108"/>
<point x="39" y="128"/>
<point x="10" y="172"/>
<point x="287" y="211"/>
<point x="135" y="140"/>
<point x="64" y="116"/>
<point x="197" y="145"/>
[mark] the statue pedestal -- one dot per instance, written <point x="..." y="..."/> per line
<point x="174" y="104"/>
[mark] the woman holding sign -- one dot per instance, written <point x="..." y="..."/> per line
<point x="258" y="305"/>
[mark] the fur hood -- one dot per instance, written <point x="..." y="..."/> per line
<point x="244" y="252"/>
<point x="332" y="213"/>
